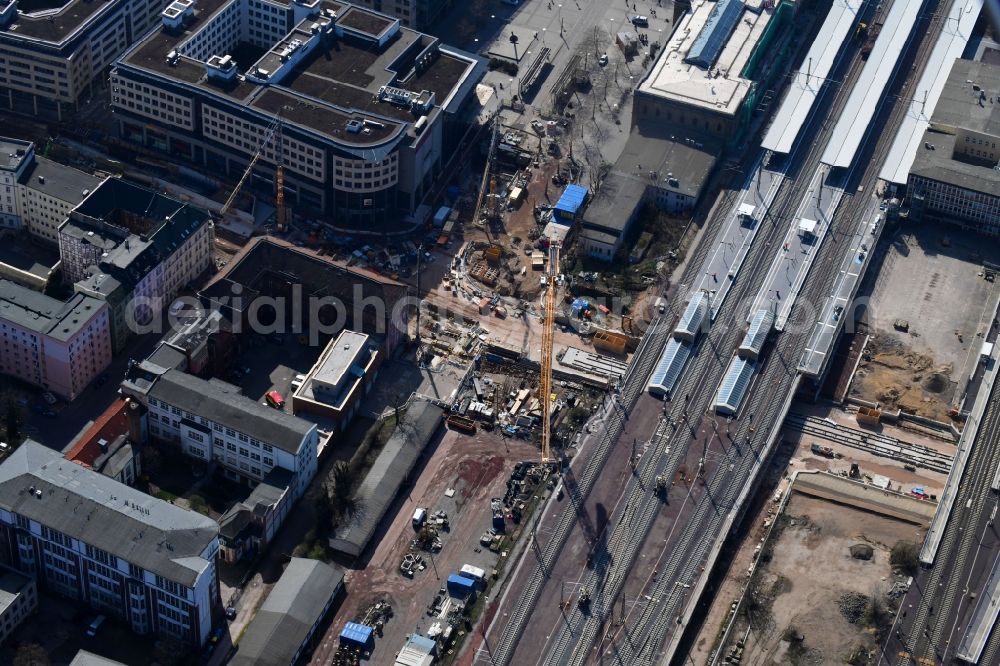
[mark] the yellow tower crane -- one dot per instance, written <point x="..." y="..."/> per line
<point x="548" y="328"/>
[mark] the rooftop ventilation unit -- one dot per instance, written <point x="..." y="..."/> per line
<point x="354" y="126"/>
<point x="221" y="68"/>
<point x="397" y="96"/>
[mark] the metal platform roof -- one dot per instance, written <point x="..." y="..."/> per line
<point x="713" y="36"/>
<point x="694" y="316"/>
<point x="951" y="42"/>
<point x="760" y="327"/>
<point x="869" y="89"/>
<point x="734" y="385"/>
<point x="668" y="370"/>
<point x="805" y="87"/>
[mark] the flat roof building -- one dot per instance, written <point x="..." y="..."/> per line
<point x="18" y="600"/>
<point x="366" y="106"/>
<point x="955" y="175"/>
<point x="59" y="346"/>
<point x="52" y="51"/>
<point x="341" y="376"/>
<point x="89" y="538"/>
<point x="40" y="192"/>
<point x="701" y="81"/>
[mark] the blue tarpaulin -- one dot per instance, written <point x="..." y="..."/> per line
<point x="572" y="199"/>
<point x="357" y="634"/>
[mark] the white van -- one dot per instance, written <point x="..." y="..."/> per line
<point x="419" y="516"/>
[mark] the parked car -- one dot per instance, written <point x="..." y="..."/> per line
<point x="602" y="60"/>
<point x="95" y="625"/>
<point x="49" y="398"/>
<point x="230" y="612"/>
<point x="640" y="21"/>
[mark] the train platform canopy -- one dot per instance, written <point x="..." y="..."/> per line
<point x="734" y="385"/>
<point x="668" y="370"/>
<point x="760" y="327"/>
<point x="694" y="316"/>
<point x="954" y="37"/>
<point x="571" y="201"/>
<point x="869" y="89"/>
<point x="806" y="85"/>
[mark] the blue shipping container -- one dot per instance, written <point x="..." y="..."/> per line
<point x="460" y="586"/>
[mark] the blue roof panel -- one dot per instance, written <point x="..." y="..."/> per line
<point x="713" y="36"/>
<point x="573" y="197"/>
<point x="359" y="634"/>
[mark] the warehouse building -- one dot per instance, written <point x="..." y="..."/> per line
<point x="368" y="109"/>
<point x="282" y="633"/>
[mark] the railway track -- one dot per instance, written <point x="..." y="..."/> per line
<point x="874" y="443"/>
<point x="634" y="384"/>
<point x="941" y="588"/>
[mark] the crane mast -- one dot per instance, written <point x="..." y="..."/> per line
<point x="548" y="328"/>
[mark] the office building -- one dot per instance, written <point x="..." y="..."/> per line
<point x="134" y="248"/>
<point x="86" y="537"/>
<point x="359" y="110"/>
<point x="55" y="53"/>
<point x="955" y="176"/>
<point x="416" y="14"/>
<point x="36" y="194"/>
<point x="59" y="346"/>
<point x="212" y="421"/>
<point x="18" y="600"/>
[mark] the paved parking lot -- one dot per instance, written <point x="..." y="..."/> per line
<point x="932" y="277"/>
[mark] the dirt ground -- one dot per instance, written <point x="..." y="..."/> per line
<point x="477" y="468"/>
<point x="801" y="458"/>
<point x="932" y="278"/>
<point x="894" y="375"/>
<point x="810" y="570"/>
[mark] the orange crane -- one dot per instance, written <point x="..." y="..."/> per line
<point x="548" y="328"/>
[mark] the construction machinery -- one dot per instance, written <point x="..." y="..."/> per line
<point x="488" y="185"/>
<point x="548" y="328"/>
<point x="273" y="130"/>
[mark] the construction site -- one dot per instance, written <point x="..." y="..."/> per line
<point x="827" y="570"/>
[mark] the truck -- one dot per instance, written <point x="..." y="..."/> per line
<point x="462" y="424"/>
<point x="821" y="450"/>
